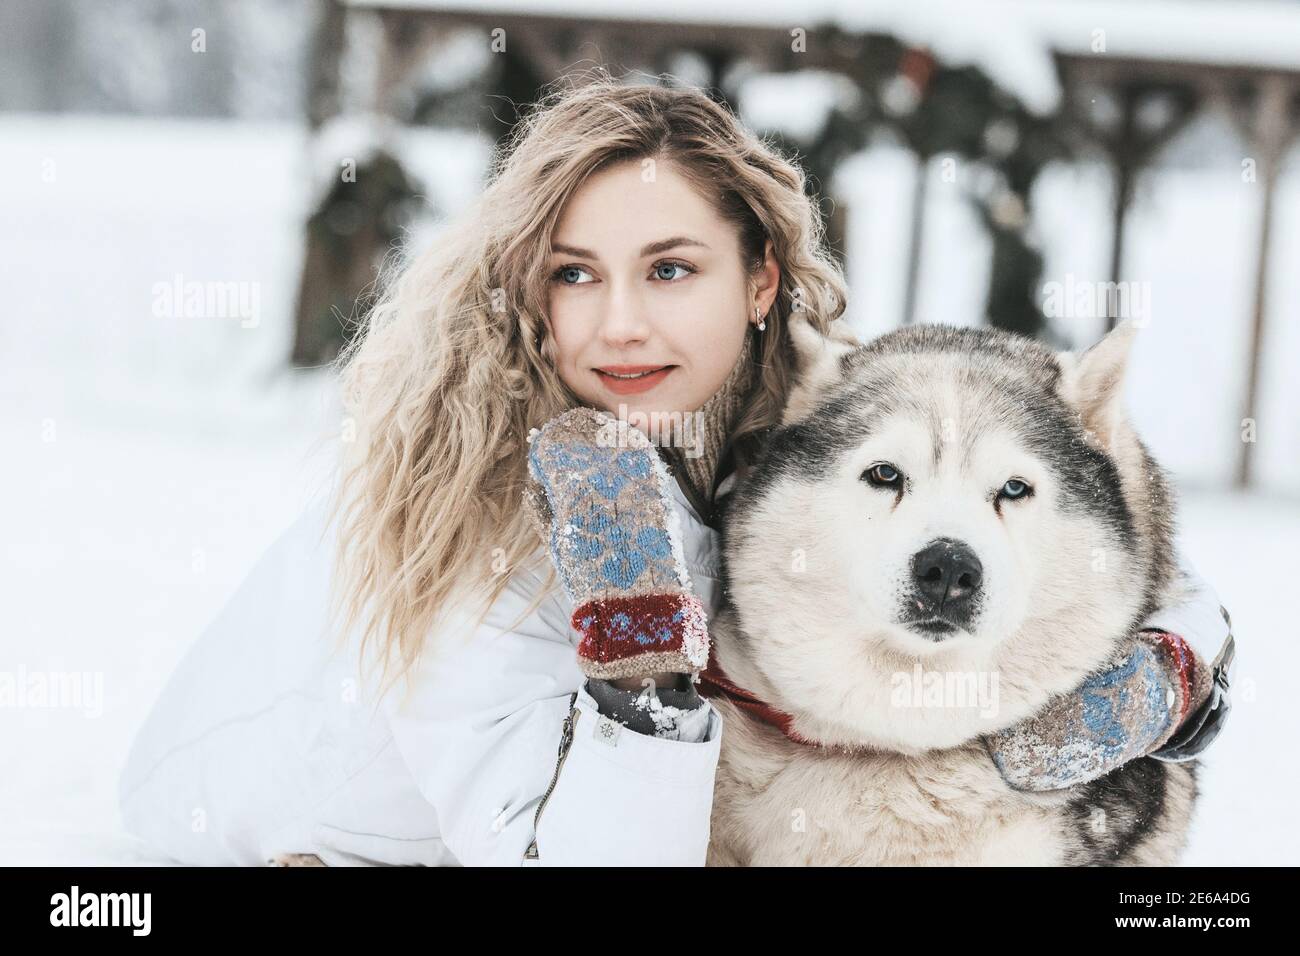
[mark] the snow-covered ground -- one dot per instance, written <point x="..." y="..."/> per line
<point x="148" y="460"/>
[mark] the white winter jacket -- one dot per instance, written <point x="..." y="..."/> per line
<point x="264" y="743"/>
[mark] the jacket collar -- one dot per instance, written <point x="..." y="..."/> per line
<point x="726" y="486"/>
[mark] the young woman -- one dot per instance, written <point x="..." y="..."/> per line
<point x="639" y="252"/>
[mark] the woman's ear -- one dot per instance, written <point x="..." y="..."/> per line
<point x="818" y="362"/>
<point x="768" y="283"/>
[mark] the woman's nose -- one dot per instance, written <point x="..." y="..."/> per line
<point x="625" y="321"/>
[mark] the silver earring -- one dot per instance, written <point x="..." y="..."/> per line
<point x="762" y="323"/>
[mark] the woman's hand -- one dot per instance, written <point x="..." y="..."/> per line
<point x="601" y="493"/>
<point x="1128" y="710"/>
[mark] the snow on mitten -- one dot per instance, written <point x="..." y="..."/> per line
<point x="603" y="494"/>
<point x="1126" y="711"/>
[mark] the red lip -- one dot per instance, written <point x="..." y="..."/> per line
<point x="632" y="386"/>
<point x="628" y="369"/>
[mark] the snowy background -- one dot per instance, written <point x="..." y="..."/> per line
<point x="147" y="461"/>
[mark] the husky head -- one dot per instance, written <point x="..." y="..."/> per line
<point x="954" y="502"/>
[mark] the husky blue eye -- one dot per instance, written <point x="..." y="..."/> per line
<point x="883" y="475"/>
<point x="1015" y="488"/>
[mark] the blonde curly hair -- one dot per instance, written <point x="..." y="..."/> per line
<point x="452" y="367"/>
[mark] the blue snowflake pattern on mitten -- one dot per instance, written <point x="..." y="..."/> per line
<point x="1113" y="717"/>
<point x="613" y="532"/>
<point x="1109" y="711"/>
<point x="592" y="478"/>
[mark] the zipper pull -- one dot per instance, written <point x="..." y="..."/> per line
<point x="566" y="734"/>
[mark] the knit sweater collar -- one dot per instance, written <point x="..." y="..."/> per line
<point x="695" y="465"/>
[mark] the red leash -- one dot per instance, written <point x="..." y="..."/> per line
<point x="714" y="683"/>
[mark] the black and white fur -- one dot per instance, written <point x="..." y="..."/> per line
<point x="822" y="605"/>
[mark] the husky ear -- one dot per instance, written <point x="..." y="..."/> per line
<point x="1092" y="382"/>
<point x="817" y="362"/>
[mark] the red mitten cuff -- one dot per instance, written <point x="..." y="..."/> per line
<point x="1190" y="677"/>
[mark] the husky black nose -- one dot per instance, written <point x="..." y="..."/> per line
<point x="947" y="575"/>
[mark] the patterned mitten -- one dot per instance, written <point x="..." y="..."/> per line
<point x="602" y="493"/>
<point x="1126" y="711"/>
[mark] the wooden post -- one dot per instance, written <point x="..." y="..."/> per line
<point x="323" y="69"/>
<point x="1126" y="161"/>
<point x="310" y="346"/>
<point x="1271" y="135"/>
<point x="915" y="241"/>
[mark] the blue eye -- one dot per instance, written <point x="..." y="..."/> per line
<point x="883" y="475"/>
<point x="660" y="267"/>
<point x="568" y="275"/>
<point x="1015" y="488"/>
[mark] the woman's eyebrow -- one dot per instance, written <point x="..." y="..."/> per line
<point x="663" y="245"/>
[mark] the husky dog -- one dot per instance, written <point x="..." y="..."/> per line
<point x="987" y="460"/>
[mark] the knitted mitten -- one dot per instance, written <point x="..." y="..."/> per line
<point x="1126" y="711"/>
<point x="602" y="494"/>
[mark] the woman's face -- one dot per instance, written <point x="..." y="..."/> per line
<point x="646" y="276"/>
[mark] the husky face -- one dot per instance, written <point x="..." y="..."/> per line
<point x="949" y="498"/>
<point x="947" y="507"/>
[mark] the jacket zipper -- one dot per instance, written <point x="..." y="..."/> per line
<point x="566" y="741"/>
